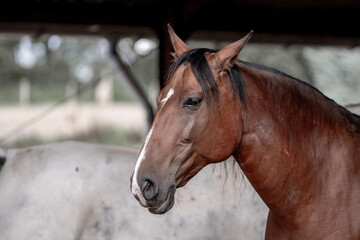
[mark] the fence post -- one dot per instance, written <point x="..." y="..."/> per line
<point x="24" y="91"/>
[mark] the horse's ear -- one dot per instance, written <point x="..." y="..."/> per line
<point x="179" y="46"/>
<point x="227" y="56"/>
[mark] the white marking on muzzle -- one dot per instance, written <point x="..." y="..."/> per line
<point x="135" y="188"/>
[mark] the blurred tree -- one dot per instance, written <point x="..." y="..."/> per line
<point x="50" y="62"/>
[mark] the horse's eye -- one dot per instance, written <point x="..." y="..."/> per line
<point x="192" y="103"/>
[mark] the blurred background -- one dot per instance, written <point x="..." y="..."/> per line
<point x="57" y="87"/>
<point x="91" y="70"/>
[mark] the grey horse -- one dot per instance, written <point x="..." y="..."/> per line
<point x="74" y="190"/>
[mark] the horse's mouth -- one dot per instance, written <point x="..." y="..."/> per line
<point x="167" y="204"/>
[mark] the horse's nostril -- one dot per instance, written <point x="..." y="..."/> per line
<point x="149" y="189"/>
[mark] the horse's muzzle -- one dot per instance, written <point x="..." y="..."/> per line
<point x="147" y="193"/>
<point x="167" y="204"/>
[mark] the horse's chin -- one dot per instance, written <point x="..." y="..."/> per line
<point x="167" y="204"/>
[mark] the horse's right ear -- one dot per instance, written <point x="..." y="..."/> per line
<point x="227" y="56"/>
<point x="178" y="45"/>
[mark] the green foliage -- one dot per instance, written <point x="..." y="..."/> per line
<point x="54" y="68"/>
<point x="9" y="94"/>
<point x="111" y="136"/>
<point x="105" y="135"/>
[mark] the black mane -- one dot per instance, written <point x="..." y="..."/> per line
<point x="202" y="72"/>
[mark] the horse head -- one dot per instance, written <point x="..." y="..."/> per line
<point x="194" y="125"/>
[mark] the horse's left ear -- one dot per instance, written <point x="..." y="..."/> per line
<point x="227" y="56"/>
<point x="179" y="46"/>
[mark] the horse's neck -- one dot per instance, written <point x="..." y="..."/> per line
<point x="290" y="131"/>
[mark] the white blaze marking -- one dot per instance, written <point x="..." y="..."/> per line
<point x="135" y="185"/>
<point x="135" y="188"/>
<point x="168" y="95"/>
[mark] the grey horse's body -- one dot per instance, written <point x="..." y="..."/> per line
<point x="73" y="191"/>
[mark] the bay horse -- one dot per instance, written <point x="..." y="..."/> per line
<point x="298" y="148"/>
